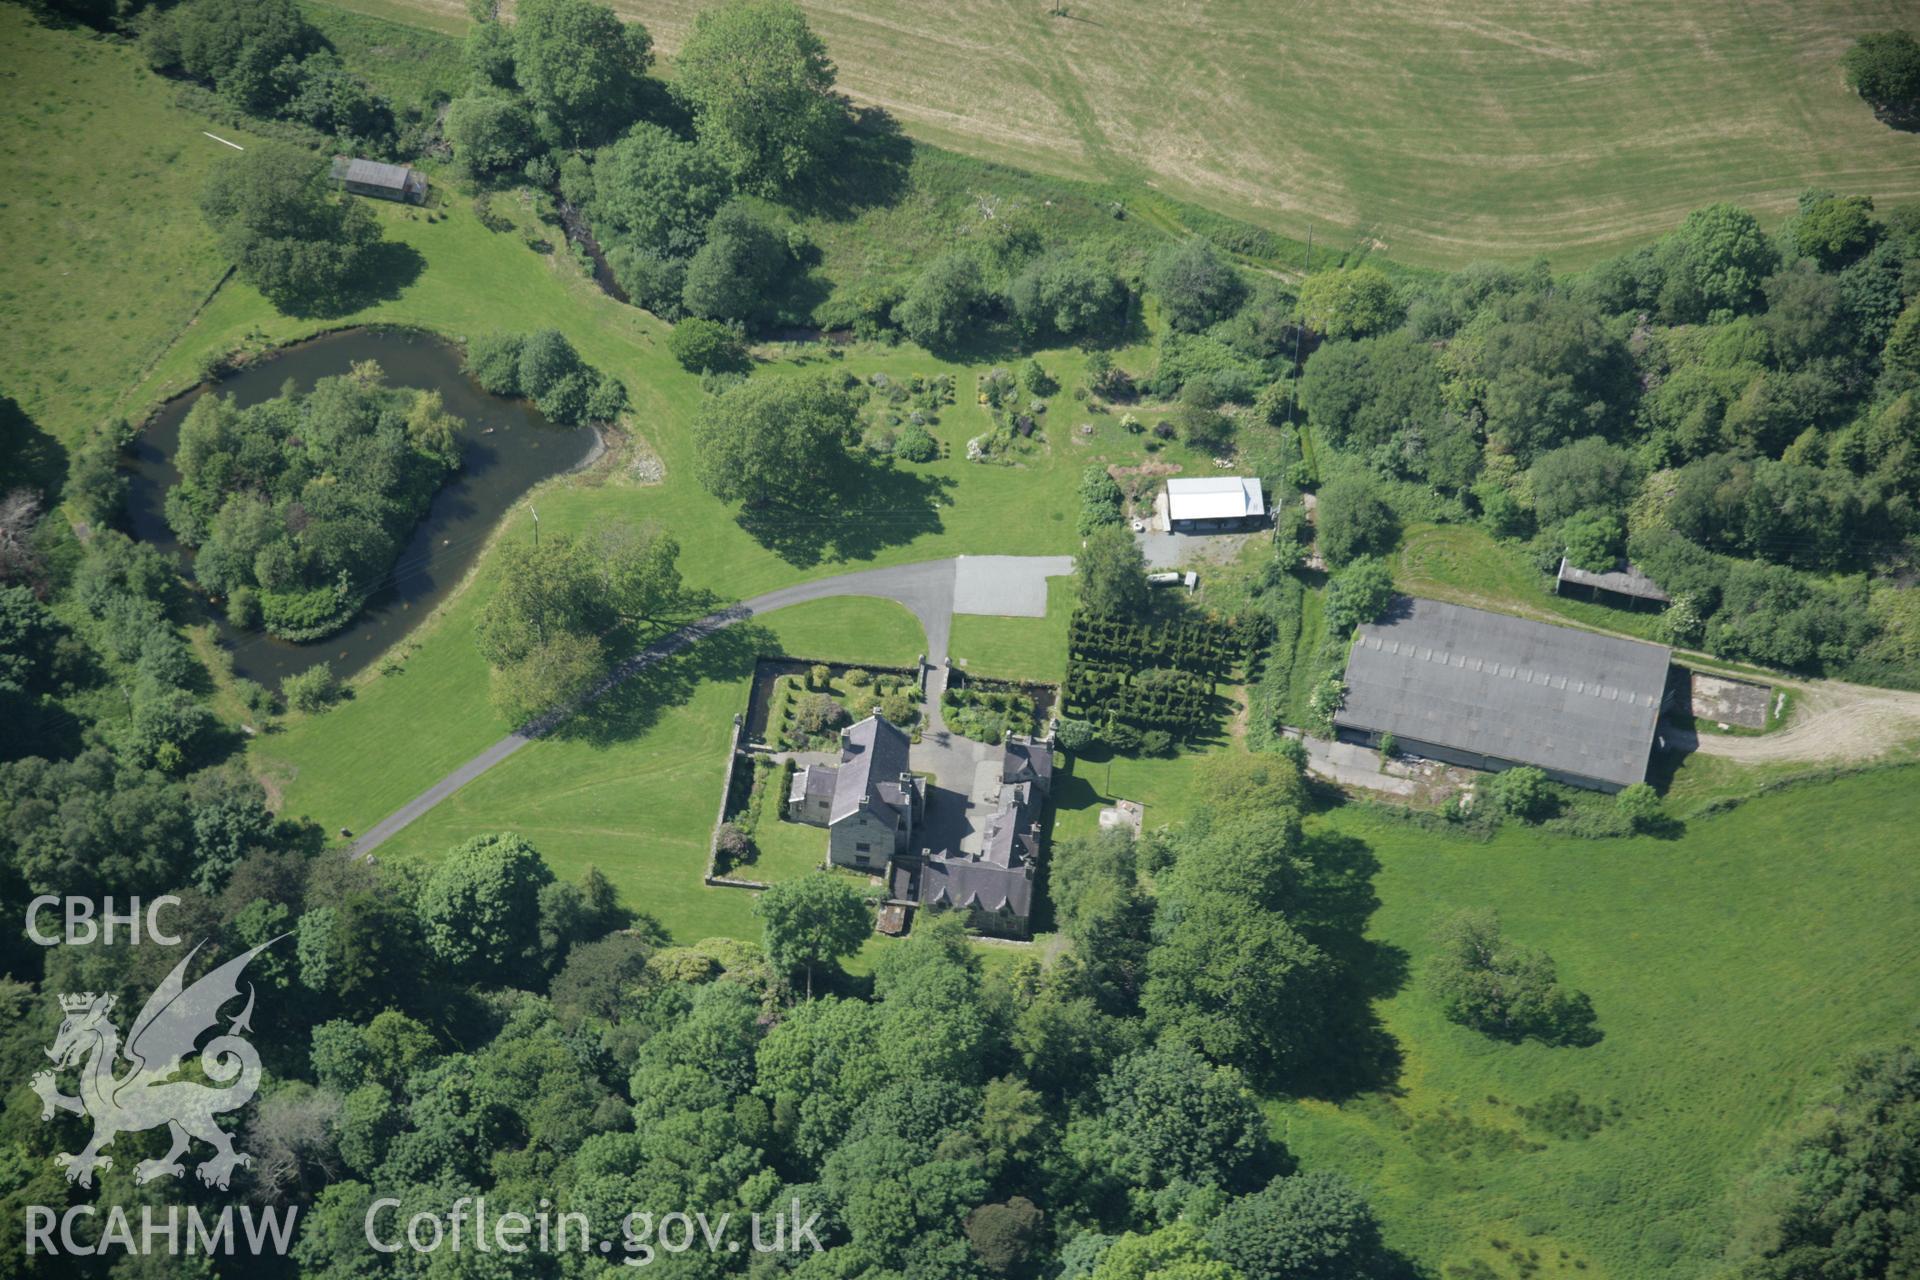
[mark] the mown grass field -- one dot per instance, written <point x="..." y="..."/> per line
<point x="1448" y="131"/>
<point x="107" y="256"/>
<point x="1733" y="970"/>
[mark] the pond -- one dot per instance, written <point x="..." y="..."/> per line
<point x="506" y="448"/>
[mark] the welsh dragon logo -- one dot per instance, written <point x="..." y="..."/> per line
<point x="174" y="1019"/>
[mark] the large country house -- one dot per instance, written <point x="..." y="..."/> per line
<point x="874" y="809"/>
<point x="869" y="802"/>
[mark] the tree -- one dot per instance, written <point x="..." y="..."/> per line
<point x="658" y="189"/>
<point x="1843" y="1200"/>
<point x="1553" y="372"/>
<point x="1073" y="735"/>
<point x="1061" y="295"/>
<point x="1175" y="1252"/>
<point x="760" y="86"/>
<point x="1004" y="1235"/>
<point x="309" y="691"/>
<point x="1195" y="285"/>
<point x="489" y="49"/>
<point x="1112" y="573"/>
<point x="815" y="920"/>
<point x="1587" y="473"/>
<point x="703" y="346"/>
<point x="1229" y="972"/>
<point x="1832" y="230"/>
<point x="942" y="303"/>
<point x="1350" y="303"/>
<point x="1640" y="804"/>
<point x="480" y="910"/>
<point x="1101" y="501"/>
<point x="1353" y="521"/>
<point x="491" y="133"/>
<point x="1360" y="394"/>
<point x="1521" y="792"/>
<point x="1592" y="539"/>
<point x="1358" y="592"/>
<point x="242" y="48"/>
<point x="779" y="435"/>
<point x="1901" y="358"/>
<point x="735" y="273"/>
<point x="1884" y="69"/>
<point x="1311" y="1226"/>
<point x="817" y="713"/>
<point x="579" y="64"/>
<point x="1167" y="1115"/>
<point x="293" y="238"/>
<point x="1104" y="910"/>
<point x="545" y="627"/>
<point x="1715" y="264"/>
<point x="1502" y="989"/>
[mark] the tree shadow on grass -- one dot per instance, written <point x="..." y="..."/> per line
<point x="635" y="705"/>
<point x="869" y="170"/>
<point x="1357" y="1054"/>
<point x="384" y="272"/>
<point x="866" y="507"/>
<point x="28" y="454"/>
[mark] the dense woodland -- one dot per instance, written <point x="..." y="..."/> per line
<point x="480" y="1027"/>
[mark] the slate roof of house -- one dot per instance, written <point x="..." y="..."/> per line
<point x="962" y="884"/>
<point x="1624" y="578"/>
<point x="1027" y="761"/>
<point x="1215" y="498"/>
<point x="873" y="755"/>
<point x="1000" y="876"/>
<point x="815" y="782"/>
<point x="1573" y="701"/>
<point x="372" y="173"/>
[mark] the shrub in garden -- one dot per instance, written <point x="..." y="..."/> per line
<point x="1156" y="742"/>
<point x="915" y="444"/>
<point x="817" y="714"/>
<point x="731" y="847"/>
<point x="1073" y="735"/>
<point x="818" y="675"/>
<point x="1122" y="737"/>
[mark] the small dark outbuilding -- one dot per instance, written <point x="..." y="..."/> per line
<point x="382" y="181"/>
<point x="1624" y="580"/>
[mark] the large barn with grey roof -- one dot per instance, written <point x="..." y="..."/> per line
<point x="1491" y="691"/>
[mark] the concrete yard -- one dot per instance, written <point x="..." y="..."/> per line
<point x="1006" y="586"/>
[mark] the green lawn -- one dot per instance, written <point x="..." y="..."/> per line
<point x="1733" y="970"/>
<point x="1447" y="131"/>
<point x="634" y="788"/>
<point x="1018" y="648"/>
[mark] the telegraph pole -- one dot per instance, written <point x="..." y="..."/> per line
<point x="536" y="525"/>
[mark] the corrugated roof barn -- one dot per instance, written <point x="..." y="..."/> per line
<point x="1207" y="500"/>
<point x="1492" y="691"/>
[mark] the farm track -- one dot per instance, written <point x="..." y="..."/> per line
<point x="1830" y="722"/>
